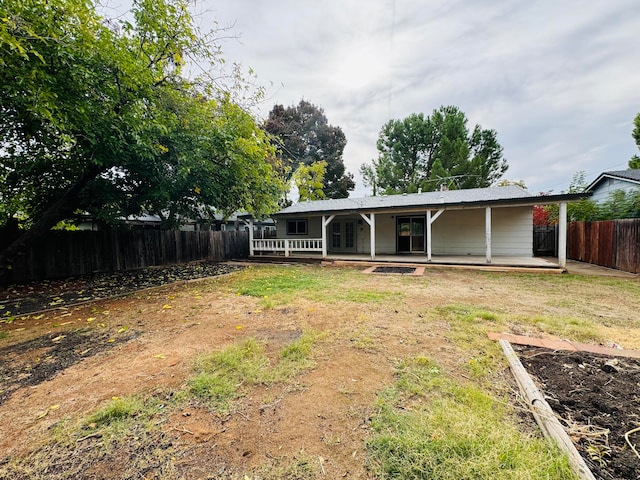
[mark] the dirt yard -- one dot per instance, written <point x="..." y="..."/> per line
<point x="58" y="367"/>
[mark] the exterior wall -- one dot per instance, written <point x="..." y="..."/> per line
<point x="512" y="231"/>
<point x="462" y="232"/>
<point x="607" y="186"/>
<point x="385" y="235"/>
<point x="459" y="232"/>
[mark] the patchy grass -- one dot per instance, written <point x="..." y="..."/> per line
<point x="301" y="466"/>
<point x="294" y="358"/>
<point x="280" y="286"/>
<point x="428" y="426"/>
<point x="221" y="375"/>
<point x="580" y="330"/>
<point x="224" y="376"/>
<point x="277" y="286"/>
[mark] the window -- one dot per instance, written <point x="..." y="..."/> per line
<point x="296" y="227"/>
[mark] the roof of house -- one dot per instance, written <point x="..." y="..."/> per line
<point x="508" y="195"/>
<point x="630" y="175"/>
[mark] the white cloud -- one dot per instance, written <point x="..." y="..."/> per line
<point x="558" y="81"/>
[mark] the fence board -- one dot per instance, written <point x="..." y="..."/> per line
<point x="628" y="233"/>
<point x="609" y="243"/>
<point x="62" y="254"/>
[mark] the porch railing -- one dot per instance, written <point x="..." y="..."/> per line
<point x="287" y="245"/>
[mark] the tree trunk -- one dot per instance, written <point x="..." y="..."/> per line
<point x="60" y="210"/>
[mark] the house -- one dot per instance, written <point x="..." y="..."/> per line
<point x="481" y="222"/>
<point x="608" y="182"/>
<point x="264" y="228"/>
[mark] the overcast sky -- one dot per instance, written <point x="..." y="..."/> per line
<point x="558" y="80"/>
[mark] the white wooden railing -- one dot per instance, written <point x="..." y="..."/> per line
<point x="286" y="245"/>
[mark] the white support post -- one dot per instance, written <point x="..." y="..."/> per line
<point x="562" y="236"/>
<point x="430" y="219"/>
<point x="324" y="238"/>
<point x="286" y="247"/>
<point x="251" y="237"/>
<point x="325" y="223"/>
<point x="371" y="221"/>
<point x="487" y="227"/>
<point x="428" y="235"/>
<point x="373" y="236"/>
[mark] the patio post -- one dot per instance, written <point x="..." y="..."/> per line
<point x="428" y="235"/>
<point x="562" y="235"/>
<point x="487" y="226"/>
<point x="371" y="221"/>
<point x="373" y="236"/>
<point x="325" y="223"/>
<point x="324" y="237"/>
<point x="251" y="237"/>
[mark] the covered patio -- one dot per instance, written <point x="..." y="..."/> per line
<point x="484" y="226"/>
<point x="475" y="262"/>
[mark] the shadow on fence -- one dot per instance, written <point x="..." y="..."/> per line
<point x="609" y="243"/>
<point x="62" y="254"/>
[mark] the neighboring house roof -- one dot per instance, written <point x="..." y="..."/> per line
<point x="508" y="195"/>
<point x="629" y="175"/>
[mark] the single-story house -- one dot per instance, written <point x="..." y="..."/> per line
<point x="608" y="182"/>
<point x="486" y="222"/>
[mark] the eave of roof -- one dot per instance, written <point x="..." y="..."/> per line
<point x="630" y="175"/>
<point x="429" y="201"/>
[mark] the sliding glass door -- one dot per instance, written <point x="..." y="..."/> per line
<point x="411" y="234"/>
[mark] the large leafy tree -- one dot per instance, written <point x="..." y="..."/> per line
<point x="302" y="134"/>
<point x="98" y="116"/>
<point x="427" y="152"/>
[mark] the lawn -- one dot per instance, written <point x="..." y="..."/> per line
<point x="287" y="372"/>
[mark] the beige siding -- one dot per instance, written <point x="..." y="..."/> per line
<point x="459" y="232"/>
<point x="385" y="234"/>
<point x="512" y="231"/>
<point x="462" y="232"/>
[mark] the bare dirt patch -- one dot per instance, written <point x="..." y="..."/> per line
<point x="32" y="362"/>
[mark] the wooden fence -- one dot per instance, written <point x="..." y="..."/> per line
<point x="609" y="243"/>
<point x="62" y="254"/>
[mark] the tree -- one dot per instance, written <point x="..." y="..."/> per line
<point x="506" y="182"/>
<point x="580" y="211"/>
<point x="98" y="117"/>
<point x="426" y="153"/>
<point x="541" y="216"/>
<point x="635" y="160"/>
<point x="309" y="180"/>
<point x="302" y="134"/>
<point x="369" y="176"/>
